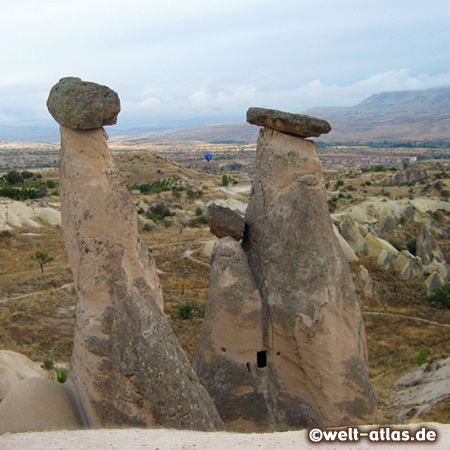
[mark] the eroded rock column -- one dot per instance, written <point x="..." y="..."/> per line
<point x="311" y="360"/>
<point x="127" y="368"/>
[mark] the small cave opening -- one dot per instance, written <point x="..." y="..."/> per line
<point x="261" y="359"/>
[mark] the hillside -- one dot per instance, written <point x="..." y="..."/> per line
<point x="217" y="133"/>
<point x="391" y="116"/>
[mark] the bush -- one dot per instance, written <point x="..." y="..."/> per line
<point x="198" y="222"/>
<point x="421" y="358"/>
<point x="13" y="177"/>
<point x="51" y="184"/>
<point x="61" y="375"/>
<point x="332" y="204"/>
<point x="338" y="184"/>
<point x="185" y="311"/>
<point x="444" y="194"/>
<point x="440" y="296"/>
<point x="395" y="244"/>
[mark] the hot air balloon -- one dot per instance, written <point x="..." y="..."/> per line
<point x="208" y="156"/>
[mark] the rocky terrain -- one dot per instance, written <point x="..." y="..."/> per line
<point x="383" y="210"/>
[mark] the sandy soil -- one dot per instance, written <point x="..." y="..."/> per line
<point x="138" y="439"/>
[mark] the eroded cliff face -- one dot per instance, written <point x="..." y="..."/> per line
<point x="308" y="352"/>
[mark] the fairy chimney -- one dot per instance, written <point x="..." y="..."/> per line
<point x="303" y="357"/>
<point x="127" y="368"/>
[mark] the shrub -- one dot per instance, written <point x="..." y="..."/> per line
<point x="332" y="204"/>
<point x="338" y="184"/>
<point x="14" y="177"/>
<point x="440" y="296"/>
<point x="421" y="357"/>
<point x="379" y="169"/>
<point x="185" y="311"/>
<point x="61" y="375"/>
<point x="51" y="184"/>
<point x="198" y="222"/>
<point x="395" y="244"/>
<point x="444" y="194"/>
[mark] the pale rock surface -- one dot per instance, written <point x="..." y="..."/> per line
<point x="145" y="207"/>
<point x="15" y="214"/>
<point x="231" y="203"/>
<point x="351" y="234"/>
<point x="146" y="223"/>
<point x="376" y="245"/>
<point x="39" y="404"/>
<point x="385" y="259"/>
<point x="422" y="388"/>
<point x="388" y="226"/>
<point x="363" y="283"/>
<point x="15" y="367"/>
<point x="441" y="268"/>
<point x="346" y="248"/>
<point x="409" y="266"/>
<point x="433" y="281"/>
<point x="168" y="439"/>
<point x="427" y="248"/>
<point x="209" y="246"/>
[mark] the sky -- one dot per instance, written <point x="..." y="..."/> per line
<point x="189" y="62"/>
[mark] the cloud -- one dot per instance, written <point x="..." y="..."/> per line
<point x="209" y="60"/>
<point x="232" y="104"/>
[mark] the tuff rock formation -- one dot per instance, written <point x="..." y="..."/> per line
<point x="225" y="222"/>
<point x="39" y="404"/>
<point x="127" y="368"/>
<point x="303" y="360"/>
<point x="15" y="367"/>
<point x="427" y="248"/>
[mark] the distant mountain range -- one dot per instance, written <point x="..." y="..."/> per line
<point x="390" y="116"/>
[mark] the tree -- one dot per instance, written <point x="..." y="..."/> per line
<point x="13" y="177"/>
<point x="224" y="180"/>
<point x="42" y="258"/>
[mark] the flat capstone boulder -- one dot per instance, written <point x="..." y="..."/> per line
<point x="225" y="222"/>
<point x="296" y="124"/>
<point x="83" y="105"/>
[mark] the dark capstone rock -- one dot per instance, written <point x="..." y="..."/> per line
<point x="225" y="222"/>
<point x="83" y="105"/>
<point x="297" y="124"/>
